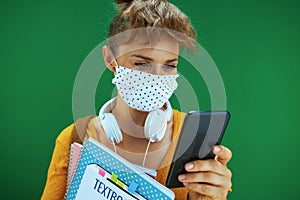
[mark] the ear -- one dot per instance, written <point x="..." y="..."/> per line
<point x="108" y="58"/>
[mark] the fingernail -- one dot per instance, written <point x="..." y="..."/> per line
<point x="217" y="149"/>
<point x="189" y="166"/>
<point x="182" y="176"/>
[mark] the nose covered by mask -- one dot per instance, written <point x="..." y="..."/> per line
<point x="144" y="91"/>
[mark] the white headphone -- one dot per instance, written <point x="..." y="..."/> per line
<point x="154" y="128"/>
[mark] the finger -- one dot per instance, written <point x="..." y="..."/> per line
<point x="206" y="166"/>
<point x="205" y="177"/>
<point x="214" y="192"/>
<point x="223" y="154"/>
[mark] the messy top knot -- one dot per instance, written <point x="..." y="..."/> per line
<point x="122" y="4"/>
<point x="134" y="14"/>
<point x="123" y="1"/>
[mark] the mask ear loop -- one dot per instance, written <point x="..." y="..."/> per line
<point x="146" y="152"/>
<point x="114" y="59"/>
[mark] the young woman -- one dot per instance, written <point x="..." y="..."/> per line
<point x="145" y="40"/>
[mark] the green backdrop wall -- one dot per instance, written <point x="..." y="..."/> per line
<point x="255" y="44"/>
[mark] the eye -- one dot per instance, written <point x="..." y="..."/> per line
<point x="170" y="67"/>
<point x="142" y="65"/>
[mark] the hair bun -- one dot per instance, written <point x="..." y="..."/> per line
<point x="122" y="4"/>
<point x="123" y="1"/>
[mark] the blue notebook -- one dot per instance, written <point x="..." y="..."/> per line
<point x="123" y="175"/>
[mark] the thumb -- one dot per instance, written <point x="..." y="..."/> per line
<point x="223" y="154"/>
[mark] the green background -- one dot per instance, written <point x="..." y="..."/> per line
<point x="255" y="45"/>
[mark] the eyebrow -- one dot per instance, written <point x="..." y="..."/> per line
<point x="150" y="59"/>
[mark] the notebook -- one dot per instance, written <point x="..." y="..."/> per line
<point x="121" y="171"/>
<point x="75" y="151"/>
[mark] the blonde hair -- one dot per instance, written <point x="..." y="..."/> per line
<point x="152" y="14"/>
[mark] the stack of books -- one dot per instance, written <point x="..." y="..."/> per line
<point x="96" y="172"/>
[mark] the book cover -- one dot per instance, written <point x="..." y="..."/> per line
<point x="96" y="153"/>
<point x="97" y="183"/>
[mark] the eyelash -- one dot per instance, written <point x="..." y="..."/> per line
<point x="141" y="65"/>
<point x="172" y="66"/>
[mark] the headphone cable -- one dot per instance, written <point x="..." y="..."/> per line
<point x="146" y="152"/>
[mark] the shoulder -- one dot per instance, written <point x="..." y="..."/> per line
<point x="64" y="138"/>
<point x="178" y="118"/>
<point x="75" y="132"/>
<point x="178" y="115"/>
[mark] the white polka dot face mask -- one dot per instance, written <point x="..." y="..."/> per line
<point x="144" y="91"/>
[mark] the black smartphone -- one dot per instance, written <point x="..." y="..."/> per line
<point x="201" y="130"/>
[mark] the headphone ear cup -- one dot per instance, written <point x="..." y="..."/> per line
<point x="155" y="125"/>
<point x="111" y="128"/>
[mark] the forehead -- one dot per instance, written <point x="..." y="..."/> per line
<point x="163" y="45"/>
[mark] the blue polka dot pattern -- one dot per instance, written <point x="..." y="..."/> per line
<point x="144" y="91"/>
<point x="93" y="152"/>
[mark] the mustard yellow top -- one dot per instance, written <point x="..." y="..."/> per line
<point x="55" y="187"/>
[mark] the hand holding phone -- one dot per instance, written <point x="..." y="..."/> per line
<point x="200" y="132"/>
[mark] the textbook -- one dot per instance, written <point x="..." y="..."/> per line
<point x="102" y="174"/>
<point x="97" y="183"/>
